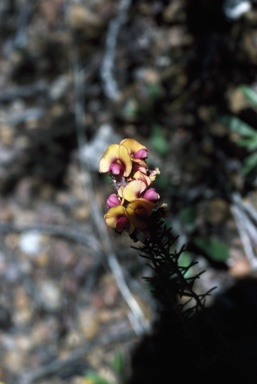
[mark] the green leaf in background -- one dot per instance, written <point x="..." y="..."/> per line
<point x="215" y="249"/>
<point x="154" y="90"/>
<point x="187" y="217"/>
<point x="249" y="143"/>
<point x="105" y="177"/>
<point x="130" y="110"/>
<point x="249" y="94"/>
<point x="118" y="362"/>
<point x="161" y="182"/>
<point x="158" y="141"/>
<point x="250" y="163"/>
<point x="185" y="260"/>
<point x="238" y="126"/>
<point x="93" y="378"/>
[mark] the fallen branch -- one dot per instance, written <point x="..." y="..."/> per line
<point x="52" y="230"/>
<point x="25" y="91"/>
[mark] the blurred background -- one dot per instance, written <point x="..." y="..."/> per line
<point x="75" y="76"/>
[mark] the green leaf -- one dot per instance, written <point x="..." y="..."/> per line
<point x="238" y="126"/>
<point x="118" y="362"/>
<point x="185" y="260"/>
<point x="154" y="90"/>
<point x="130" y="109"/>
<point x="105" y="177"/>
<point x="187" y="216"/>
<point x="249" y="94"/>
<point x="215" y="249"/>
<point x="161" y="182"/>
<point x="158" y="141"/>
<point x="249" y="143"/>
<point x="250" y="163"/>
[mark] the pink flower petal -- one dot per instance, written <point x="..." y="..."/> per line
<point x="151" y="195"/>
<point x="141" y="154"/>
<point x="122" y="223"/>
<point x="112" y="201"/>
<point x="116" y="169"/>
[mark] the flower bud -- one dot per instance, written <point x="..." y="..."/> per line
<point x="151" y="195"/>
<point x="141" y="154"/>
<point x="112" y="201"/>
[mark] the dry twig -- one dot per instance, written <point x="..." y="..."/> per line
<point x="52" y="230"/>
<point x="109" y="82"/>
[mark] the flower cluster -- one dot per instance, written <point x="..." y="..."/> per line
<point x="134" y="202"/>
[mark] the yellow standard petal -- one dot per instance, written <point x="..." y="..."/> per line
<point x="143" y="177"/>
<point x="113" y="215"/>
<point x="109" y="157"/>
<point x="116" y="159"/>
<point x="139" y="211"/>
<point x="133" y="190"/>
<point x="124" y="157"/>
<point x="132" y="145"/>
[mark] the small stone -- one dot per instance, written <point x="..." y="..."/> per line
<point x="59" y="87"/>
<point x="82" y="17"/>
<point x="44" y="331"/>
<point x="30" y="242"/>
<point x="174" y="11"/>
<point x="238" y="264"/>
<point x="73" y="339"/>
<point x="24" y="191"/>
<point x="6" y="213"/>
<point x="81" y="213"/>
<point x="178" y="37"/>
<point x="23" y="343"/>
<point x="22" y="317"/>
<point x="14" y="361"/>
<point x="12" y="241"/>
<point x="88" y="322"/>
<point x="6" y="135"/>
<point x="50" y="294"/>
<point x="42" y="259"/>
<point x="21" y="299"/>
<point x="236" y="100"/>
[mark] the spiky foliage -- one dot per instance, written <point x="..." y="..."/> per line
<point x="171" y="284"/>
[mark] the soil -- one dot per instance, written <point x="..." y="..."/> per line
<point x="70" y="86"/>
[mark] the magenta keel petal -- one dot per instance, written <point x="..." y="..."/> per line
<point x="112" y="201"/>
<point x="151" y="194"/>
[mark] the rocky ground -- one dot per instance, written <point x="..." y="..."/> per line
<point x="76" y="76"/>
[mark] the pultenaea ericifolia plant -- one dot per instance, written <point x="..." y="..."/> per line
<point x="135" y="208"/>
